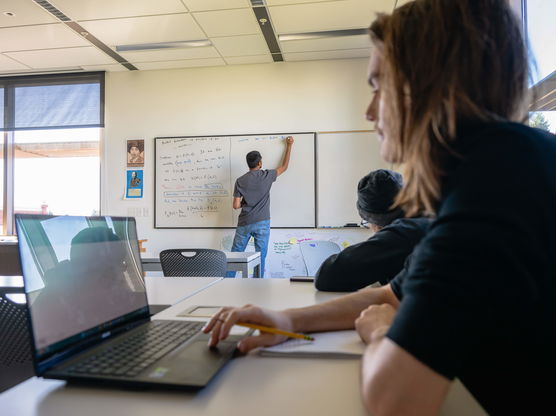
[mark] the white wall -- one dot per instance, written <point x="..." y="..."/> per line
<point x="267" y="98"/>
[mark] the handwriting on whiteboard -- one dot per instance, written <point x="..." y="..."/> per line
<point x="194" y="176"/>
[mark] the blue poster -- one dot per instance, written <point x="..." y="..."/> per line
<point x="134" y="184"/>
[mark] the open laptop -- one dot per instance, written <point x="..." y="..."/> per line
<point x="88" y="310"/>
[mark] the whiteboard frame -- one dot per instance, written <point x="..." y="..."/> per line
<point x="315" y="188"/>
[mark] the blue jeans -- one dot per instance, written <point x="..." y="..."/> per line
<point x="260" y="231"/>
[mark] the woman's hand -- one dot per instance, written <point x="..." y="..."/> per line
<point x="374" y="318"/>
<point x="221" y="324"/>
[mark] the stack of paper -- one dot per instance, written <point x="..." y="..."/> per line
<point x="335" y="344"/>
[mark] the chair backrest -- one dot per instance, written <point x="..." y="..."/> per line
<point x="193" y="262"/>
<point x="316" y="252"/>
<point x="15" y="343"/>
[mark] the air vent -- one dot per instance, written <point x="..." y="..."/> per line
<point x="52" y="10"/>
<point x="263" y="18"/>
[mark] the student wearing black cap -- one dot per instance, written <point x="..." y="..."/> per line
<point x="382" y="256"/>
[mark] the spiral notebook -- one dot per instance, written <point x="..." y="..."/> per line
<point x="334" y="344"/>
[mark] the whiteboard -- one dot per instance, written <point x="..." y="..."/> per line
<point x="195" y="177"/>
<point x="284" y="257"/>
<point x="343" y="159"/>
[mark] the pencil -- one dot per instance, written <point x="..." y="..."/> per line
<point x="275" y="331"/>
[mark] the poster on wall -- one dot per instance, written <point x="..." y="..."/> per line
<point x="134" y="184"/>
<point x="136" y="153"/>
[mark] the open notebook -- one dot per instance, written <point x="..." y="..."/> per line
<point x="335" y="344"/>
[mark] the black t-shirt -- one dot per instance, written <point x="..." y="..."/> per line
<point x="378" y="259"/>
<point x="479" y="298"/>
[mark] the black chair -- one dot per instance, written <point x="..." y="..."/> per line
<point x="193" y="262"/>
<point x="15" y="343"/>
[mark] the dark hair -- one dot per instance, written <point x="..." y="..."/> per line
<point x="447" y="63"/>
<point x="135" y="143"/>
<point x="376" y="30"/>
<point x="376" y="193"/>
<point x="253" y="158"/>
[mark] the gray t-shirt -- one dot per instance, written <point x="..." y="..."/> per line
<point x="254" y="187"/>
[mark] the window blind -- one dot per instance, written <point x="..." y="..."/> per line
<point x="53" y="101"/>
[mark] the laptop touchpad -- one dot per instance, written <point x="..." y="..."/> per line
<point x="196" y="363"/>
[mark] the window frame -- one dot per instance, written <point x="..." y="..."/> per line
<point x="9" y="84"/>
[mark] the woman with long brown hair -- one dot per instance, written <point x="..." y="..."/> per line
<point x="476" y="302"/>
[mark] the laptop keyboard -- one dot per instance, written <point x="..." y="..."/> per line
<point x="135" y="353"/>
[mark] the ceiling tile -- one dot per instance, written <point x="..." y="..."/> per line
<point x="189" y="63"/>
<point x="342" y="54"/>
<point x="107" y="68"/>
<point x="324" y="16"/>
<point x="257" y="59"/>
<point x="170" y="54"/>
<point x="151" y="29"/>
<point x="23" y="38"/>
<point x="326" y="44"/>
<point x="8" y="64"/>
<point x="228" y="22"/>
<point x="25" y="13"/>
<point x="106" y="9"/>
<point x="50" y="58"/>
<point x="201" y="5"/>
<point x="241" y="45"/>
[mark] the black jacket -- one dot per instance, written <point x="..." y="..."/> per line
<point x="378" y="259"/>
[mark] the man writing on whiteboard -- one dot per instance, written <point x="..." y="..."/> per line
<point x="252" y="195"/>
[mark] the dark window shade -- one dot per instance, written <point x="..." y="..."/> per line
<point x="53" y="102"/>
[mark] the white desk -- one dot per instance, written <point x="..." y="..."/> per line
<point x="249" y="385"/>
<point x="169" y="290"/>
<point x="236" y="262"/>
<point x="271" y="293"/>
<point x="160" y="290"/>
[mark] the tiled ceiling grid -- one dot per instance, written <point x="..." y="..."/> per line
<point x="33" y="40"/>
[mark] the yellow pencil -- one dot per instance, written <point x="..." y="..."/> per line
<point x="276" y="331"/>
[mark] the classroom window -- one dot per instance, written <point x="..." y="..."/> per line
<point x="538" y="17"/>
<point x="52" y="128"/>
<point x="541" y="31"/>
<point x="57" y="171"/>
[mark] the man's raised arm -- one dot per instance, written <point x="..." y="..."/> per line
<point x="286" y="161"/>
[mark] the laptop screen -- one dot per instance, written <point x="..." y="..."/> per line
<point x="83" y="276"/>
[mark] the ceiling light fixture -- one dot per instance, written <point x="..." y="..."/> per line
<point x="164" y="45"/>
<point x="320" y="35"/>
<point x="41" y="72"/>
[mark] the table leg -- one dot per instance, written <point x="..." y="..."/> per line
<point x="257" y="271"/>
<point x="244" y="270"/>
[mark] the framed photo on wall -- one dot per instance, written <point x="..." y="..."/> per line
<point x="134" y="184"/>
<point x="136" y="153"/>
